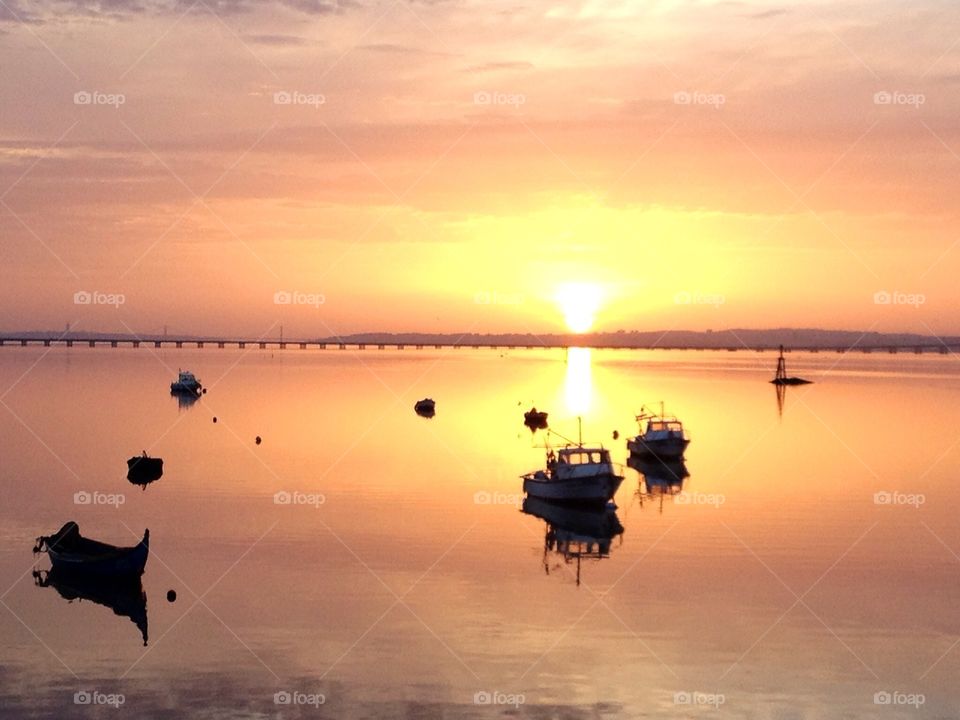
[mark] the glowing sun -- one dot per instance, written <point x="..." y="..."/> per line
<point x="579" y="303"/>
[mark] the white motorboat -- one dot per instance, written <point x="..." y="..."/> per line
<point x="663" y="437"/>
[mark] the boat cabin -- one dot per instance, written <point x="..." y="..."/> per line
<point x="672" y="427"/>
<point x="583" y="456"/>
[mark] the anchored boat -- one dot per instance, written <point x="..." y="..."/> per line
<point x="143" y="469"/>
<point x="70" y="551"/>
<point x="425" y="408"/>
<point x="186" y="384"/>
<point x="663" y="437"/>
<point x="535" y="419"/>
<point x="575" y="473"/>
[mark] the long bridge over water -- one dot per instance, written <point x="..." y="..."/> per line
<point x="942" y="348"/>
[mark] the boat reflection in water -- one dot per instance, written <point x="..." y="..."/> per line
<point x="186" y="400"/>
<point x="659" y="477"/>
<point x="124" y="594"/>
<point x="574" y="533"/>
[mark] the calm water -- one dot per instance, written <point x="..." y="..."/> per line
<point x="777" y="585"/>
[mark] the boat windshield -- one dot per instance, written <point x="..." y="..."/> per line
<point x="665" y="426"/>
<point x="585" y="457"/>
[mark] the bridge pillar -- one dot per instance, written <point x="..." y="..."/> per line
<point x="380" y="346"/>
<point x="113" y="343"/>
<point x="303" y="346"/>
<point x="220" y="345"/>
<point x="263" y="346"/>
<point x="283" y="346"/>
<point x="419" y="347"/>
<point x="343" y="346"/>
<point x="136" y="343"/>
<point x="46" y="343"/>
<point x="69" y="343"/>
<point x="241" y="345"/>
<point x="199" y="344"/>
<point x="179" y="344"/>
<point x="322" y="346"/>
<point x="157" y="343"/>
<point x="23" y="343"/>
<point x="93" y="343"/>
<point x="399" y="347"/>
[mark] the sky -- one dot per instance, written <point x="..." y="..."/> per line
<point x="464" y="166"/>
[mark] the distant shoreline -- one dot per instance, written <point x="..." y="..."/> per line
<point x="733" y="339"/>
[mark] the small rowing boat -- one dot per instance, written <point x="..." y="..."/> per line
<point x="68" y="550"/>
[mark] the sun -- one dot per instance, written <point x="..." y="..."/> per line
<point x="579" y="303"/>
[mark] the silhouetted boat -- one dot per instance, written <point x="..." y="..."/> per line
<point x="186" y="384"/>
<point x="143" y="469"/>
<point x="781" y="377"/>
<point x="70" y="551"/>
<point x="124" y="594"/>
<point x="663" y="437"/>
<point x="425" y="408"/>
<point x="575" y="473"/>
<point x="535" y="419"/>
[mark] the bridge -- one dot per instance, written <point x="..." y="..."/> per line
<point x="264" y="344"/>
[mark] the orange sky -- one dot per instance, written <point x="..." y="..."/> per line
<point x="453" y="166"/>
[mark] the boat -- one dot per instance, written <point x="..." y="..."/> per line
<point x="143" y="469"/>
<point x="124" y="594"/>
<point x="70" y="551"/>
<point x="425" y="408"/>
<point x="535" y="419"/>
<point x="575" y="473"/>
<point x="663" y="437"/>
<point x="781" y="377"/>
<point x="186" y="384"/>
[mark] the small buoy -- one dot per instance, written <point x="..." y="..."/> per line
<point x="615" y="433"/>
<point x="171" y="595"/>
<point x="203" y="392"/>
<point x="259" y="440"/>
<point x="214" y="418"/>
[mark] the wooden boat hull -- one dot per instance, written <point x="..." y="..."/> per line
<point x="71" y="553"/>
<point x="598" y="489"/>
<point x="668" y="448"/>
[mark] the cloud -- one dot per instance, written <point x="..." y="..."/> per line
<point x="277" y="40"/>
<point x="497" y="66"/>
